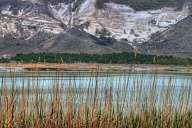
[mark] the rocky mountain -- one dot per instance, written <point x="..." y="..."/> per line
<point x="85" y="26"/>
<point x="177" y="40"/>
<point x="118" y="21"/>
<point x="71" y="41"/>
<point x="29" y="26"/>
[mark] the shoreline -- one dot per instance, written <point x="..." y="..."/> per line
<point x="93" y="67"/>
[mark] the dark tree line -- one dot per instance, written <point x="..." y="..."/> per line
<point x="114" y="58"/>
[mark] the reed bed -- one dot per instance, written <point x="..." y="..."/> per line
<point x="96" y="103"/>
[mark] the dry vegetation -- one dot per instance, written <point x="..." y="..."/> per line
<point x="66" y="105"/>
<point x="89" y="67"/>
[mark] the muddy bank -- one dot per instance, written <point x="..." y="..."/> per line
<point x="92" y="67"/>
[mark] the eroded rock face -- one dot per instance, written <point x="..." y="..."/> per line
<point x="25" y="19"/>
<point x="176" y="40"/>
<point x="29" y="26"/>
<point x="114" y="20"/>
<point x="118" y="21"/>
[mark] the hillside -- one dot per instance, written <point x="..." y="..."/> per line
<point x="82" y="26"/>
<point x="72" y="41"/>
<point x="177" y="40"/>
<point x="149" y="4"/>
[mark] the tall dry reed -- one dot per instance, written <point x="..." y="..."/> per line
<point x="99" y="104"/>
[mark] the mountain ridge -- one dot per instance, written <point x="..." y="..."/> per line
<point x="176" y="40"/>
<point x="80" y="26"/>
